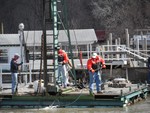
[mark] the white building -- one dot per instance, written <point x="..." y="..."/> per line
<point x="9" y="45"/>
<point x="83" y="39"/>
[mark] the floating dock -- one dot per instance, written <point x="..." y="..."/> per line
<point x="73" y="97"/>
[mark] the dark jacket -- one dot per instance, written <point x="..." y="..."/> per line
<point x="14" y="66"/>
<point x="148" y="63"/>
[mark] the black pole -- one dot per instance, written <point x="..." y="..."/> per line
<point x="44" y="48"/>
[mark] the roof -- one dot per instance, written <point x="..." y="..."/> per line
<point x="101" y="35"/>
<point x="9" y="39"/>
<point x="77" y="37"/>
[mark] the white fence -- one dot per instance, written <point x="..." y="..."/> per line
<point x="26" y="67"/>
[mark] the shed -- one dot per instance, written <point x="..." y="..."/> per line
<point x="9" y="45"/>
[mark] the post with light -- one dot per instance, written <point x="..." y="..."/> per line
<point x="21" y="27"/>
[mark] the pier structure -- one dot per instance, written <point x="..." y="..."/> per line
<point x="71" y="97"/>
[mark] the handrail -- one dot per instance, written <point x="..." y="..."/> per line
<point x="136" y="54"/>
<point x="3" y="66"/>
<point x="111" y="52"/>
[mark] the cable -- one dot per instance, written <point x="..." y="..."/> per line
<point x="75" y="99"/>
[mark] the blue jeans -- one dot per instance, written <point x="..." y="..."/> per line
<point x="94" y="77"/>
<point x="61" y="78"/>
<point x="14" y="82"/>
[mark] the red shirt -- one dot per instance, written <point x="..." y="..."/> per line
<point x="94" y="61"/>
<point x="90" y="62"/>
<point x="100" y="59"/>
<point x="64" y="55"/>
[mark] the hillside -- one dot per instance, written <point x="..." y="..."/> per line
<point x="109" y="15"/>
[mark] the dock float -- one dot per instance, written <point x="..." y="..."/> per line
<point x="75" y="97"/>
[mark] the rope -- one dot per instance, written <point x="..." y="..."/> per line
<point x="75" y="99"/>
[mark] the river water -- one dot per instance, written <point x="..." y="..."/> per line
<point x="140" y="107"/>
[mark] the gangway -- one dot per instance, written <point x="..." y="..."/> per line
<point x="119" y="52"/>
<point x="134" y="54"/>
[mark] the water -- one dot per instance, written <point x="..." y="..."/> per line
<point x="140" y="107"/>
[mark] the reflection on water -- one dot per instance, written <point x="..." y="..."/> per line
<point x="140" y="107"/>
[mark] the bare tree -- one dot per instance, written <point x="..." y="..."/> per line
<point x="109" y="15"/>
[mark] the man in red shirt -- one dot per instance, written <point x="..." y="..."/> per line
<point x="62" y="69"/>
<point x="94" y="66"/>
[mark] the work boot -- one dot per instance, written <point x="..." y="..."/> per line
<point x="99" y="92"/>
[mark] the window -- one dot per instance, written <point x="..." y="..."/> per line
<point x="3" y="56"/>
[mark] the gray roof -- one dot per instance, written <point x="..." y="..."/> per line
<point x="33" y="38"/>
<point x="77" y="36"/>
<point x="9" y="39"/>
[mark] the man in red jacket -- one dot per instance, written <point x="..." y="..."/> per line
<point x="62" y="69"/>
<point x="94" y="66"/>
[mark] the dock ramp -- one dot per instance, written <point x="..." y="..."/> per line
<point x="134" y="54"/>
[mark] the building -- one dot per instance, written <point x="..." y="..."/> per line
<point x="81" y="39"/>
<point x="9" y="45"/>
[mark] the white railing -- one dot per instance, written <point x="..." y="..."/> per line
<point x="26" y="66"/>
<point x="108" y="52"/>
<point x="119" y="52"/>
<point x="136" y="54"/>
<point x="111" y="52"/>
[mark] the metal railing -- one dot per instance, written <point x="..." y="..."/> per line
<point x="120" y="52"/>
<point x="134" y="53"/>
<point x="108" y="52"/>
<point x="111" y="52"/>
<point x="4" y="70"/>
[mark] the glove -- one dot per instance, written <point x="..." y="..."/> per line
<point x="63" y="63"/>
<point x="104" y="66"/>
<point x="92" y="70"/>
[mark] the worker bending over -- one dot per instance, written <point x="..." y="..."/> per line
<point x="63" y="60"/>
<point x="94" y="65"/>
